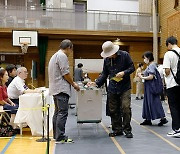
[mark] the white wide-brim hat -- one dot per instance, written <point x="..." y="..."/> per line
<point x="109" y="49"/>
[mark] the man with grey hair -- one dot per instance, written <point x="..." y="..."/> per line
<point x="18" y="87"/>
<point x="60" y="82"/>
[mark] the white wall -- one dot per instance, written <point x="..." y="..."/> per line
<point x="113" y="5"/>
<point x="91" y="65"/>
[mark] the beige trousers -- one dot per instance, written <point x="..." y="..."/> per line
<point x="139" y="89"/>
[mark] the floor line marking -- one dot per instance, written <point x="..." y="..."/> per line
<point x="8" y="144"/>
<point x="114" y="140"/>
<point x="158" y="135"/>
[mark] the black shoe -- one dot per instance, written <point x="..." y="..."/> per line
<point x="142" y="97"/>
<point x="146" y="122"/>
<point x="129" y="135"/>
<point x="17" y="131"/>
<point x="137" y="98"/>
<point x="162" y="122"/>
<point x="115" y="134"/>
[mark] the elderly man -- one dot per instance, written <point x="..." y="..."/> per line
<point x="118" y="66"/>
<point x="60" y="82"/>
<point x="18" y="87"/>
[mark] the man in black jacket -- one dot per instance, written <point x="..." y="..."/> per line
<point x="118" y="66"/>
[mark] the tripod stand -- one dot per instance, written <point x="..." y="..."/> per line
<point x="43" y="139"/>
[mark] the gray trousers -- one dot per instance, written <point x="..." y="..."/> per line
<point x="60" y="115"/>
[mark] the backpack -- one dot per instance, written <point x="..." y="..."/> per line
<point x="177" y="75"/>
<point x="156" y="85"/>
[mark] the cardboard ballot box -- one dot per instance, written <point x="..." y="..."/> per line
<point x="89" y="106"/>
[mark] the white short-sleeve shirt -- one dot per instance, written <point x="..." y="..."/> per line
<point x="16" y="88"/>
<point x="170" y="61"/>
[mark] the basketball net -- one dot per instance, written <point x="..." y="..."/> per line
<point x="24" y="47"/>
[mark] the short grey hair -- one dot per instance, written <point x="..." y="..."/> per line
<point x="66" y="44"/>
<point x="20" y="69"/>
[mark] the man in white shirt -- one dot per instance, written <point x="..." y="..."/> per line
<point x="170" y="64"/>
<point x="18" y="87"/>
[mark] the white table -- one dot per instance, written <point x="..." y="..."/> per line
<point x="30" y="111"/>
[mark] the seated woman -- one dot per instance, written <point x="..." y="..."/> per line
<point x="4" y="100"/>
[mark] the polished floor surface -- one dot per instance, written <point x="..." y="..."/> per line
<point x="91" y="138"/>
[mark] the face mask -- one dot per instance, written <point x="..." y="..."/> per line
<point x="146" y="61"/>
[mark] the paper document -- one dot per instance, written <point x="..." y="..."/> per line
<point x="116" y="79"/>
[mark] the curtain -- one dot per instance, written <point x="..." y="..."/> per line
<point x="42" y="45"/>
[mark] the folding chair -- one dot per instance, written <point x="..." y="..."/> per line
<point x="4" y="115"/>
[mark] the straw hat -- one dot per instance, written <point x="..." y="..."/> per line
<point x="109" y="49"/>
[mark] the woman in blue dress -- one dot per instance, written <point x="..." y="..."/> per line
<point x="152" y="106"/>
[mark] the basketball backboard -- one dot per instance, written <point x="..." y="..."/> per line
<point x="22" y="36"/>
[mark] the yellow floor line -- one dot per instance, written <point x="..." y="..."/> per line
<point x="113" y="139"/>
<point x="167" y="141"/>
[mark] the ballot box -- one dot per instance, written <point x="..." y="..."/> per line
<point x="89" y="106"/>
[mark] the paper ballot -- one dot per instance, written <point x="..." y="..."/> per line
<point x="116" y="79"/>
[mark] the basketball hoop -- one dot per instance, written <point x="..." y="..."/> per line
<point x="24" y="47"/>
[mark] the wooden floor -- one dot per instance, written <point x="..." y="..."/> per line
<point x="25" y="144"/>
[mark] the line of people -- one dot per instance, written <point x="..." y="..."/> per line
<point x="117" y="64"/>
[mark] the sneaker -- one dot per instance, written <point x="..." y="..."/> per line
<point x="71" y="107"/>
<point x="115" y="134"/>
<point x="65" y="141"/>
<point x="110" y="126"/>
<point x="129" y="135"/>
<point x="174" y="133"/>
<point x="146" y="122"/>
<point x="162" y="122"/>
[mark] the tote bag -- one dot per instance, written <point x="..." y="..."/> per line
<point x="156" y="85"/>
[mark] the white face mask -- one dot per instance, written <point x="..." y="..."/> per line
<point x="146" y="61"/>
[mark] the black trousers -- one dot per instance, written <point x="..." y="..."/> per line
<point x="174" y="105"/>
